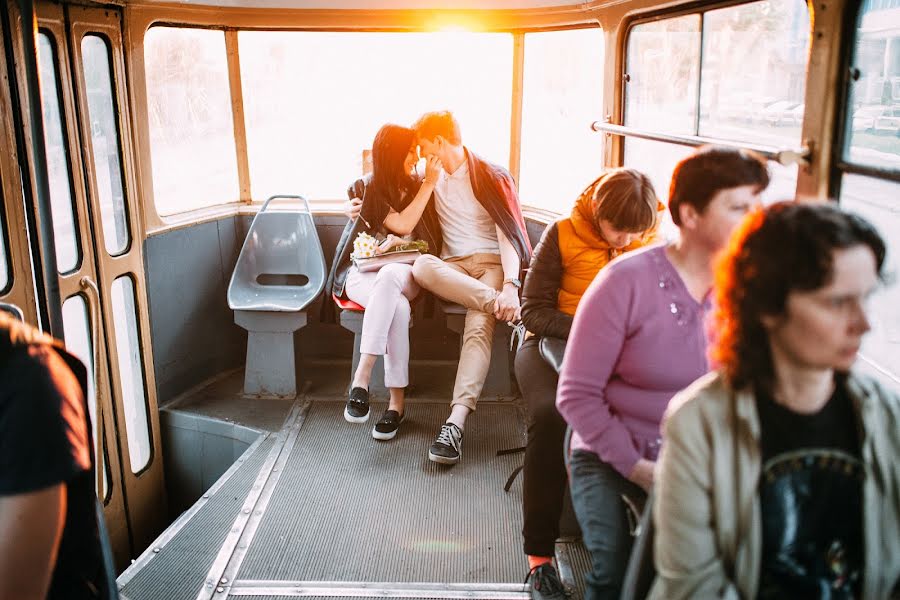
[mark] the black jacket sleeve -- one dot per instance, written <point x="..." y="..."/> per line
<point x="541" y="290"/>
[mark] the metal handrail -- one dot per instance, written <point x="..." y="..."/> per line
<point x="285" y="196"/>
<point x="785" y="157"/>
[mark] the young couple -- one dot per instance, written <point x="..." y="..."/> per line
<point x="467" y="209"/>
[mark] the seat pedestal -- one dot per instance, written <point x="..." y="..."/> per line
<point x="270" y="371"/>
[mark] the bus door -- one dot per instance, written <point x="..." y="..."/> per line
<point x="98" y="238"/>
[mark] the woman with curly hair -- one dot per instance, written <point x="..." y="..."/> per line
<point x="779" y="476"/>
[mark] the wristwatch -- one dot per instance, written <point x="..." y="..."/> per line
<point x="513" y="281"/>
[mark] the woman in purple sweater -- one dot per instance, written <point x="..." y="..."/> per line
<point x="638" y="338"/>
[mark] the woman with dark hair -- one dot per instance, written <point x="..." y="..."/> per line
<point x="395" y="204"/>
<point x="618" y="212"/>
<point x="779" y="477"/>
<point x="637" y="339"/>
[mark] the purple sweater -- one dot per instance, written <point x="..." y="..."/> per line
<point x="637" y="339"/>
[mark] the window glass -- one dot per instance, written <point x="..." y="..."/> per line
<point x="873" y="112"/>
<point x="754" y="72"/>
<point x="663" y="69"/>
<point x="313" y="101"/>
<point x="103" y="115"/>
<point x="77" y="332"/>
<point x="563" y="95"/>
<point x="191" y="125"/>
<point x="876" y="201"/>
<point x="131" y="375"/>
<point x="658" y="160"/>
<point x="65" y="234"/>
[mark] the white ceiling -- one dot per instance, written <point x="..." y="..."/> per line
<point x="375" y="4"/>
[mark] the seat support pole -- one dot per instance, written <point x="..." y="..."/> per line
<point x="270" y="371"/>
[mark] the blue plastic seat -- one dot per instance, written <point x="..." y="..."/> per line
<point x="279" y="273"/>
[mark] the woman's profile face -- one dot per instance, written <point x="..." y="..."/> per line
<point x="412" y="157"/>
<point x="823" y="328"/>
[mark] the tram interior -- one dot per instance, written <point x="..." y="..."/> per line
<point x="168" y="124"/>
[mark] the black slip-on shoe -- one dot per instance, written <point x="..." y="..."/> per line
<point x="386" y="427"/>
<point x="357" y="409"/>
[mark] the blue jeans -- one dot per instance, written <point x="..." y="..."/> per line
<point x="597" y="491"/>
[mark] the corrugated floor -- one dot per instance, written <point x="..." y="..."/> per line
<point x="179" y="569"/>
<point x="381" y="511"/>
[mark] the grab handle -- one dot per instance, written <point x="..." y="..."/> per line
<point x="286" y="196"/>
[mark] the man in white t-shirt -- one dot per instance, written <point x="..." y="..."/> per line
<point x="484" y="253"/>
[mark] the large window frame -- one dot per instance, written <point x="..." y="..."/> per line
<point x="141" y="19"/>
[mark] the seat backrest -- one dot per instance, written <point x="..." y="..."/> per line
<point x="281" y="266"/>
<point x="641" y="570"/>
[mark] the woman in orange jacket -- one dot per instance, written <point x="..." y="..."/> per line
<point x="616" y="213"/>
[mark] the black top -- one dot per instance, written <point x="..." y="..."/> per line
<point x="45" y="440"/>
<point x="540" y="294"/>
<point x="811" y="500"/>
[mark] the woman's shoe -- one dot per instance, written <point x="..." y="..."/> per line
<point x="386" y="428"/>
<point x="357" y="409"/>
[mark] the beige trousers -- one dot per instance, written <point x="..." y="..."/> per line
<point x="474" y="282"/>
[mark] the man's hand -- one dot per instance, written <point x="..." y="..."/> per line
<point x="506" y="307"/>
<point x="433" y="168"/>
<point x="352" y="207"/>
<point x="642" y="474"/>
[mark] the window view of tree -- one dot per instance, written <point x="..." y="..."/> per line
<point x="754" y="72"/>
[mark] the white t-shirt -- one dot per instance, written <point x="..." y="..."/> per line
<point x="467" y="227"/>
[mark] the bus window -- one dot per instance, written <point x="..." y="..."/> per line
<point x="754" y="71"/>
<point x="872" y="137"/>
<point x="105" y="142"/>
<point x="313" y="101"/>
<point x="4" y="261"/>
<point x="131" y="374"/>
<point x="77" y="331"/>
<point x="876" y="201"/>
<point x="192" y="148"/>
<point x="563" y="90"/>
<point x="662" y="70"/>
<point x="68" y="251"/>
<point x="873" y="123"/>
<point x="754" y="55"/>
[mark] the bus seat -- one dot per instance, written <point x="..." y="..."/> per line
<point x="279" y="272"/>
<point x="499" y="378"/>
<point x="352" y="320"/>
<point x="641" y="571"/>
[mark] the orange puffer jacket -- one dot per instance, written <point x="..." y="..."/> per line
<point x="584" y="252"/>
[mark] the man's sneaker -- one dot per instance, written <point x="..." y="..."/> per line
<point x="357" y="409"/>
<point x="447" y="448"/>
<point x="545" y="583"/>
<point x="386" y="428"/>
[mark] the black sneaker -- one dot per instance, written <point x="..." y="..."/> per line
<point x="447" y="448"/>
<point x="357" y="409"/>
<point x="386" y="428"/>
<point x="545" y="583"/>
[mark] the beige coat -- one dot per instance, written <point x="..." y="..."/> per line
<point x="707" y="514"/>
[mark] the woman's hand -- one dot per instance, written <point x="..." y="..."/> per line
<point x="642" y="474"/>
<point x="389" y="242"/>
<point x="352" y="208"/>
<point x="433" y="168"/>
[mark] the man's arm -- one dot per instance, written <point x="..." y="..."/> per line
<point x="31" y="526"/>
<point x="507" y="307"/>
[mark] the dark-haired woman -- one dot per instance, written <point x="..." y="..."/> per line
<point x="618" y="212"/>
<point x="779" y="476"/>
<point x="638" y="338"/>
<point x="395" y="204"/>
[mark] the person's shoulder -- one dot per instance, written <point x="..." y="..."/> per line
<point x="877" y="394"/>
<point x="633" y="266"/>
<point x="492" y="168"/>
<point x="703" y="401"/>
